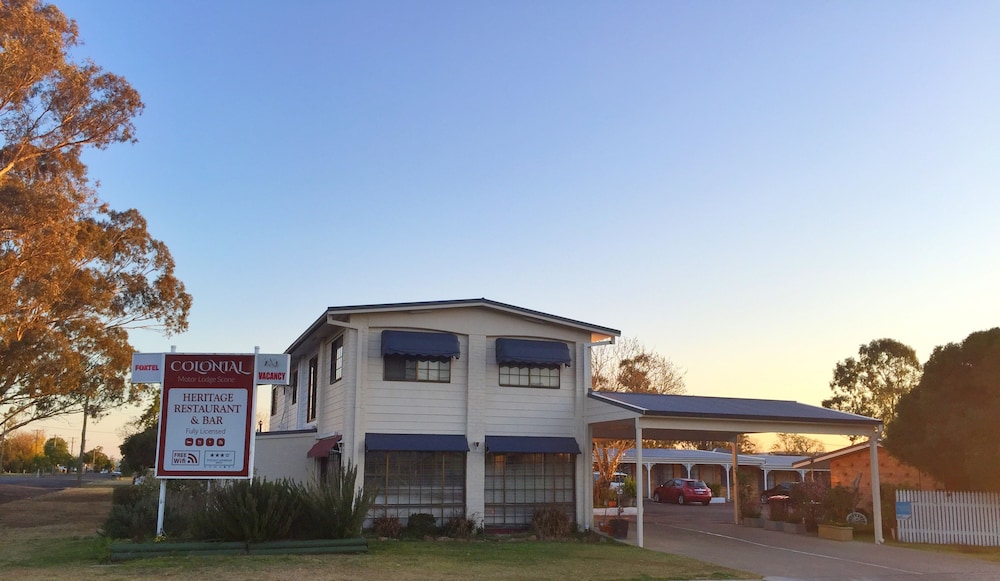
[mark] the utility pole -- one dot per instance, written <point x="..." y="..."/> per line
<point x="3" y="441"/>
<point x="83" y="440"/>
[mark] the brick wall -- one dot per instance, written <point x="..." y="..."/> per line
<point x="844" y="469"/>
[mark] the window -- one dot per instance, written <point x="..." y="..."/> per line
<point x="311" y="399"/>
<point x="274" y="400"/>
<point x="401" y="368"/>
<point x="337" y="359"/>
<point x="414" y="482"/>
<point x="295" y="387"/>
<point x="518" y="484"/>
<point x="529" y="376"/>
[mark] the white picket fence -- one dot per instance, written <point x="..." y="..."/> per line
<point x="948" y="518"/>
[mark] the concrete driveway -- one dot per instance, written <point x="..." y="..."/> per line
<point x="707" y="533"/>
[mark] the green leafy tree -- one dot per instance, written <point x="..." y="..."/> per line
<point x="946" y="425"/>
<point x="57" y="451"/>
<point x="872" y="384"/>
<point x="75" y="275"/>
<point x="97" y="459"/>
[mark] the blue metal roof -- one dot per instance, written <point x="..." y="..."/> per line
<point x="532" y="445"/>
<point x="693" y="406"/>
<point x="525" y="352"/>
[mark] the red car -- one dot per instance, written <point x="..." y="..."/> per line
<point x="682" y="491"/>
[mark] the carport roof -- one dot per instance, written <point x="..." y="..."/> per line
<point x="690" y="417"/>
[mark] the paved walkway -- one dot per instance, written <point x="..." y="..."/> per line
<point x="708" y="534"/>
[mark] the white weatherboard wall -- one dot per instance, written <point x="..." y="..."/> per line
<point x="472" y="404"/>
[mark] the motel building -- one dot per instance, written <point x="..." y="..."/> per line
<point x="482" y="409"/>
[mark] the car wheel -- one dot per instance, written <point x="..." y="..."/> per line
<point x="707" y="502"/>
<point x="656" y="497"/>
<point x="680" y="499"/>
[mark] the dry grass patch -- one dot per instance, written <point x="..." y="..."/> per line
<point x="66" y="513"/>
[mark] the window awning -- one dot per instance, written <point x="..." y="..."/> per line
<point x="429" y="346"/>
<point x="525" y="352"/>
<point x="416" y="443"/>
<point x="531" y="445"/>
<point x="323" y="448"/>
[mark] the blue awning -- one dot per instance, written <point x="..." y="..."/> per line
<point x="525" y="352"/>
<point x="428" y="346"/>
<point x="416" y="443"/>
<point x="531" y="445"/>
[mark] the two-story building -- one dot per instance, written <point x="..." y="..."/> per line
<point x="468" y="408"/>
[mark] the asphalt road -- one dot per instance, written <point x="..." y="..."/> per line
<point x="20" y="486"/>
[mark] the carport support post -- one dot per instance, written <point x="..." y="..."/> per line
<point x="876" y="492"/>
<point x="638" y="484"/>
<point x="736" y="484"/>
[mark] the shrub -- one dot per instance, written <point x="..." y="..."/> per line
<point x="551" y="522"/>
<point x="421" y="524"/>
<point x="461" y="527"/>
<point x="716" y="489"/>
<point x="126" y="495"/>
<point x="749" y="502"/>
<point x="135" y="519"/>
<point x="251" y="511"/>
<point x="628" y="488"/>
<point x="388" y="526"/>
<point x="134" y="509"/>
<point x="838" y="503"/>
<point x="334" y="509"/>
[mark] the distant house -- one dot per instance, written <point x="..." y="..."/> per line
<point x="851" y="467"/>
<point x="453" y="408"/>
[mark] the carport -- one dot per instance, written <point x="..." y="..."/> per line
<point x="638" y="416"/>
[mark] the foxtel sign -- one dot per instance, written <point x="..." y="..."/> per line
<point x="207" y="407"/>
<point x="268" y="369"/>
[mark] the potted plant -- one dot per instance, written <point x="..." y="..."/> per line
<point x="838" y="503"/>
<point x="626" y="496"/>
<point x="835" y="532"/>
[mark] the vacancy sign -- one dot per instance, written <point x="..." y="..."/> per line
<point x="206" y="416"/>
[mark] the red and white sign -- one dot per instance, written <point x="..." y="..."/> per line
<point x="206" y="416"/>
<point x="147" y="368"/>
<point x="273" y="369"/>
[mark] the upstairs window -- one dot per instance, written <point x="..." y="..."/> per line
<point x="313" y="380"/>
<point x="529" y="376"/>
<point x="337" y="359"/>
<point x="526" y="363"/>
<point x="398" y="368"/>
<point x="295" y="387"/>
<point x="418" y="356"/>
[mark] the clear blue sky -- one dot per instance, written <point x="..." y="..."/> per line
<point x="753" y="189"/>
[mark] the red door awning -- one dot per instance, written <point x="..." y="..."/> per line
<point x="322" y="448"/>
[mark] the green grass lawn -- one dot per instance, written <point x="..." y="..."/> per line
<point x="398" y="560"/>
